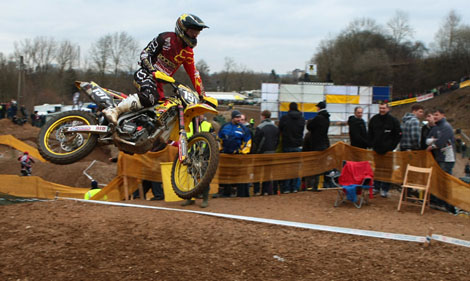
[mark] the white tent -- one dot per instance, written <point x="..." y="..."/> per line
<point x="230" y="96"/>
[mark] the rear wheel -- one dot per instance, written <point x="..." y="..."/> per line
<point x="59" y="147"/>
<point x="191" y="177"/>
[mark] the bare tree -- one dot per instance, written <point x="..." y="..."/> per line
<point x="38" y="53"/>
<point x="25" y="48"/>
<point x="123" y="50"/>
<point x="399" y="27"/>
<point x="204" y="71"/>
<point x="100" y="53"/>
<point x="363" y="24"/>
<point x="445" y="36"/>
<point x="67" y="55"/>
<point x="229" y="67"/>
<point x="45" y="48"/>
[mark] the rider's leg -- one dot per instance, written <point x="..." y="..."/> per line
<point x="131" y="103"/>
<point x="147" y="96"/>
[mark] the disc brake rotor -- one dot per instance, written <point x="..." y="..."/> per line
<point x="69" y="142"/>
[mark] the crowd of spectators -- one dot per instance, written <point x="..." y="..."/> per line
<point x="439" y="90"/>
<point x="419" y="130"/>
<point x="20" y="115"/>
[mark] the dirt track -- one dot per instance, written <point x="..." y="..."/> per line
<point x="64" y="240"/>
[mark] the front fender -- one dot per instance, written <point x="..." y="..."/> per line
<point x="195" y="110"/>
<point x="189" y="113"/>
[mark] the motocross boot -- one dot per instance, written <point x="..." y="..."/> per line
<point x="131" y="103"/>
<point x="205" y="198"/>
<point x="188" y="202"/>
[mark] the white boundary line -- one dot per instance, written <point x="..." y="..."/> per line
<point x="343" y="230"/>
<point x="451" y="240"/>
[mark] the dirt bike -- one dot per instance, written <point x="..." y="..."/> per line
<point x="72" y="135"/>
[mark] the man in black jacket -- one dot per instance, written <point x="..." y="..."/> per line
<point x="384" y="136"/>
<point x="318" y="129"/>
<point x="265" y="141"/>
<point x="357" y="129"/>
<point x="291" y="127"/>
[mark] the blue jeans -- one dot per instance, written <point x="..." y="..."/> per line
<point x="266" y="187"/>
<point x="291" y="184"/>
<point x="381" y="185"/>
<point x="447" y="166"/>
<point x="156" y="187"/>
<point x="243" y="190"/>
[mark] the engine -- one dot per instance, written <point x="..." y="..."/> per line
<point x="137" y="128"/>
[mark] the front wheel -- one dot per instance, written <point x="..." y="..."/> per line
<point x="191" y="177"/>
<point x="59" y="147"/>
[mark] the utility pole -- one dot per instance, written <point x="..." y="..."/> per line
<point x="20" y="80"/>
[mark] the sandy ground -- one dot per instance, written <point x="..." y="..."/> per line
<point x="66" y="240"/>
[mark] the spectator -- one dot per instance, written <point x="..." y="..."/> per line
<point x="411" y="129"/>
<point x="204" y="126"/>
<point x="467" y="169"/>
<point x="384" y="135"/>
<point x="235" y="139"/>
<point x="441" y="142"/>
<point x="464" y="149"/>
<point x="265" y="141"/>
<point x="458" y="145"/>
<point x="357" y="129"/>
<point x="249" y="126"/>
<point x="426" y="129"/>
<point x="291" y="127"/>
<point x="318" y="129"/>
<point x="77" y="104"/>
<point x="156" y="187"/>
<point x="24" y="112"/>
<point x="12" y="109"/>
<point x="35" y="119"/>
<point x="93" y="191"/>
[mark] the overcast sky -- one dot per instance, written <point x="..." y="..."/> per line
<point x="259" y="35"/>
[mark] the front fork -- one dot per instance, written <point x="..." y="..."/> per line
<point x="183" y="140"/>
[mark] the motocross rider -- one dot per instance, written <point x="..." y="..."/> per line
<point x="26" y="162"/>
<point x="165" y="53"/>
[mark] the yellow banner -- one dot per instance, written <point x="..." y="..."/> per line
<point x="400" y="102"/>
<point x="304" y="107"/>
<point x="342" y="99"/>
<point x="465" y="84"/>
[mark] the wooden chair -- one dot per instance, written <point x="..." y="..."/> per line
<point x="426" y="173"/>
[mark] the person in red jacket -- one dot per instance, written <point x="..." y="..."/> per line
<point x="165" y="53"/>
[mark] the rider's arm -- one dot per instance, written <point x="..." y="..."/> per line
<point x="153" y="48"/>
<point x="193" y="73"/>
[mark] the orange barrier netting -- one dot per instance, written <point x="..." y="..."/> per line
<point x="262" y="167"/>
<point x="37" y="187"/>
